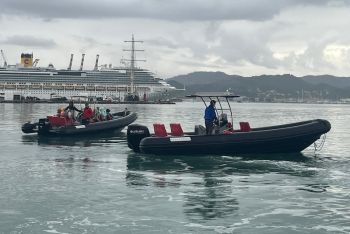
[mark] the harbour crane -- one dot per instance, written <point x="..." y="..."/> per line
<point x="4" y="58"/>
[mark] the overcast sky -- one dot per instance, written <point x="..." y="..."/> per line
<point x="244" y="37"/>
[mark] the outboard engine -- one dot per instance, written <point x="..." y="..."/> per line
<point x="44" y="126"/>
<point x="135" y="134"/>
<point x="29" y="127"/>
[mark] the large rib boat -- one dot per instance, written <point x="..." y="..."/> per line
<point x="26" y="81"/>
<point x="224" y="140"/>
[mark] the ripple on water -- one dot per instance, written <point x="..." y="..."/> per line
<point x="97" y="185"/>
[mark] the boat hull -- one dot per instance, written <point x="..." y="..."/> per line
<point x="117" y="124"/>
<point x="289" y="138"/>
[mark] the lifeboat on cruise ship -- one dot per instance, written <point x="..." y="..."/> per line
<point x="111" y="88"/>
<point x="287" y="138"/>
<point x="100" y="88"/>
<point x="22" y="86"/>
<point x="79" y="88"/>
<point x="58" y="87"/>
<point x="57" y="125"/>
<point x="10" y="86"/>
<point x="69" y="87"/>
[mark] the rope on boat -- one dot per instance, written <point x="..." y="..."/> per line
<point x="318" y="147"/>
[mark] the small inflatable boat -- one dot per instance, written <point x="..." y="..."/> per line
<point x="54" y="125"/>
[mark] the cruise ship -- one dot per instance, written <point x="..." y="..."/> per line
<point x="26" y="81"/>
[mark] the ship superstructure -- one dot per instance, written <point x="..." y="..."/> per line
<point x="25" y="81"/>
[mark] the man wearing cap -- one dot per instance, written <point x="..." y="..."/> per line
<point x="210" y="117"/>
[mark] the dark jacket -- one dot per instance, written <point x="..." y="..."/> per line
<point x="71" y="108"/>
<point x="210" y="114"/>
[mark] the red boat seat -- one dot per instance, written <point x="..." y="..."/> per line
<point x="176" y="129"/>
<point x="245" y="127"/>
<point x="229" y="127"/>
<point x="159" y="130"/>
<point x="227" y="132"/>
<point x="56" y="121"/>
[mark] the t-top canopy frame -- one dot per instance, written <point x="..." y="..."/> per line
<point x="217" y="97"/>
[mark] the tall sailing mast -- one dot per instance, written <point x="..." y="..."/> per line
<point x="132" y="62"/>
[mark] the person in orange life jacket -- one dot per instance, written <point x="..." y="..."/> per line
<point x="87" y="114"/>
<point x="210" y="117"/>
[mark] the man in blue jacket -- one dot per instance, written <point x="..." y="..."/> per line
<point x="210" y="117"/>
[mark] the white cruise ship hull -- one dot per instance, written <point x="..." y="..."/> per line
<point x="113" y="84"/>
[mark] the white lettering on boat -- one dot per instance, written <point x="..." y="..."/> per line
<point x="137" y="131"/>
<point x="179" y="139"/>
<point x="80" y="126"/>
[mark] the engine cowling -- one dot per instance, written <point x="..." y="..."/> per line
<point x="29" y="127"/>
<point x="135" y="134"/>
<point x="44" y="126"/>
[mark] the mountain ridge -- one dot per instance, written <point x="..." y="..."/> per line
<point x="287" y="85"/>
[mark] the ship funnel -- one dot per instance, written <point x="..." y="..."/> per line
<point x="82" y="62"/>
<point x="96" y="63"/>
<point x="70" y="62"/>
<point x="27" y="60"/>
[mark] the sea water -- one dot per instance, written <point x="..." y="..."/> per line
<point x="98" y="185"/>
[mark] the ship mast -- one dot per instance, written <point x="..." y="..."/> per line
<point x="132" y="62"/>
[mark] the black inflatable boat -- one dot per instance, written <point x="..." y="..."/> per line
<point x="53" y="125"/>
<point x="288" y="138"/>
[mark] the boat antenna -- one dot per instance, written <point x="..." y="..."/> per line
<point x="132" y="61"/>
<point x="229" y="107"/>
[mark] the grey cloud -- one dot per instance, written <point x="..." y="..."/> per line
<point x="212" y="30"/>
<point x="160" y="41"/>
<point x="236" y="45"/>
<point x="29" y="41"/>
<point x="155" y="9"/>
<point x="90" y="42"/>
<point x="313" y="58"/>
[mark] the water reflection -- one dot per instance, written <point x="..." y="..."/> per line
<point x="207" y="181"/>
<point x="79" y="140"/>
<point x="315" y="188"/>
<point x="222" y="165"/>
<point x="210" y="199"/>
